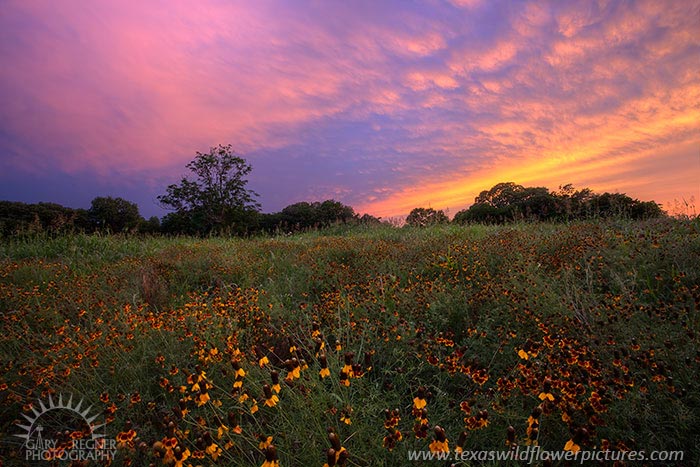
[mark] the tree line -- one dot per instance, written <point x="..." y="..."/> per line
<point x="215" y="199"/>
<point x="510" y="202"/>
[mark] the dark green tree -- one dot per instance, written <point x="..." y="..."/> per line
<point x="217" y="199"/>
<point x="481" y="213"/>
<point x="332" y="212"/>
<point x="114" y="214"/>
<point x="501" y="195"/>
<point x="421" y="217"/>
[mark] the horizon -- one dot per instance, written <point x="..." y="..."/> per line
<point x="384" y="107"/>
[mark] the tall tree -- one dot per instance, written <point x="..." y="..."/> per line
<point x="115" y="214"/>
<point x="217" y="198"/>
<point x="421" y="217"/>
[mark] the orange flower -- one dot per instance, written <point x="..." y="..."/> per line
<point x="271" y="400"/>
<point x="571" y="446"/>
<point x="440" y="443"/>
<point x="271" y="459"/>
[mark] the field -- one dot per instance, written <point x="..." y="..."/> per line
<point x="354" y="348"/>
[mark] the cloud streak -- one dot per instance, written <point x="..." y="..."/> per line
<point x="385" y="107"/>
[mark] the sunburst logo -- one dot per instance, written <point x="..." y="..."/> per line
<point x="60" y="430"/>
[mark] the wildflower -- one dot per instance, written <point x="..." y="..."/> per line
<point x="419" y="402"/>
<point x="390" y="440"/>
<point x="275" y="377"/>
<point x="440" y="443"/>
<point x="125" y="438"/>
<point x="461" y="441"/>
<point x="233" y="421"/>
<point x="344" y="379"/>
<point x="202" y="398"/>
<point x="546" y="393"/>
<point x="572" y="446"/>
<point x="214" y="451"/>
<point x="420" y="428"/>
<point x="347" y="368"/>
<point x="319" y="345"/>
<point x="533" y="426"/>
<point x="180" y="456"/>
<point x="368" y="360"/>
<point x="330" y="458"/>
<point x="265" y="441"/>
<point x="270" y="398"/>
<point x="239" y="374"/>
<point x="482" y="419"/>
<point x="340" y="453"/>
<point x="293" y="368"/>
<point x="510" y="436"/>
<point x="323" y="361"/>
<point x="271" y="459"/>
<point x="391" y="418"/>
<point x="357" y="371"/>
<point x="345" y="415"/>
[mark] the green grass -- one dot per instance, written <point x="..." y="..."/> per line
<point x="604" y="310"/>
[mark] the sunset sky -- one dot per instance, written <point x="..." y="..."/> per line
<point x="383" y="105"/>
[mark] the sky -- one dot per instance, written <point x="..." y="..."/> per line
<point x="382" y="105"/>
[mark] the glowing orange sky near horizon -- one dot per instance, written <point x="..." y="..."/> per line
<point x="385" y="106"/>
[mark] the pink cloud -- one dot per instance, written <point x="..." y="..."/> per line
<point x="402" y="104"/>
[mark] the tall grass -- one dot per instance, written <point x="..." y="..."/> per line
<point x="481" y="321"/>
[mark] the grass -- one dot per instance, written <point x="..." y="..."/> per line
<point x="584" y="333"/>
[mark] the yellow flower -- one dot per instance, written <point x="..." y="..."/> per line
<point x="325" y="372"/>
<point x="271" y="459"/>
<point x="185" y="455"/>
<point x="522" y="354"/>
<point x="264" y="443"/>
<point x="214" y="451"/>
<point x="571" y="446"/>
<point x="270" y="399"/>
<point x="440" y="444"/>
<point x="202" y="399"/>
<point x="419" y="403"/>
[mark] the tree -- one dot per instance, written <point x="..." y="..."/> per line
<point x="305" y="215"/>
<point x="481" y="213"/>
<point x="217" y="199"/>
<point x="114" y="214"/>
<point x="421" y="217"/>
<point x="501" y="195"/>
<point x="332" y="211"/>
